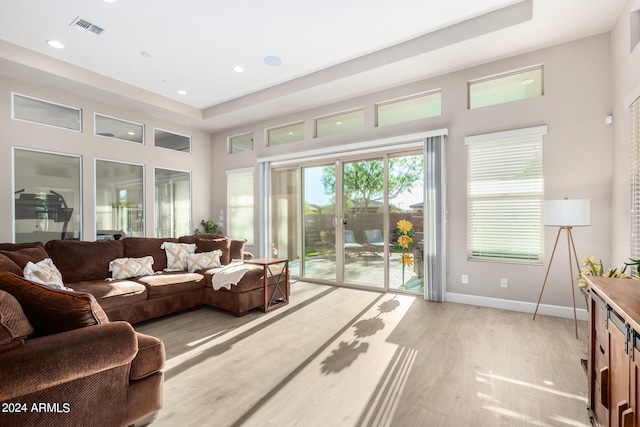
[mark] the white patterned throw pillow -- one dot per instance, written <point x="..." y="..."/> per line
<point x="177" y="255"/>
<point x="204" y="260"/>
<point x="125" y="268"/>
<point x="45" y="273"/>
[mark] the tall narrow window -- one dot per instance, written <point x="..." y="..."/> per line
<point x="47" y="196"/>
<point x="119" y="200"/>
<point x="505" y="195"/>
<point x="173" y="203"/>
<point x="240" y="211"/>
<point x="635" y="179"/>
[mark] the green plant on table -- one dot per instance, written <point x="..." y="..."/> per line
<point x="209" y="227"/>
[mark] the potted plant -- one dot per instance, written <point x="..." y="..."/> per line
<point x="209" y="227"/>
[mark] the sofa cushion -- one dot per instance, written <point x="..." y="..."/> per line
<point x="51" y="311"/>
<point x="79" y="260"/>
<point x="22" y="256"/>
<point x="7" y="265"/>
<point x="150" y="357"/>
<point x="237" y="249"/>
<point x="172" y="283"/>
<point x="193" y="238"/>
<point x="138" y="247"/>
<point x="177" y="255"/>
<point x="124" y="268"/>
<point x="203" y="260"/>
<point x="14" y="325"/>
<point x="45" y="273"/>
<point x="223" y="245"/>
<point x="117" y="293"/>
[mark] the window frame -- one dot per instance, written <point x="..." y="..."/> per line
<point x="528" y="193"/>
<point x="157" y="209"/>
<point x="406" y="99"/>
<point x="243" y="212"/>
<point x="504" y="75"/>
<point x="230" y="139"/>
<point x="95" y="128"/>
<point x="172" y="133"/>
<point x="336" y="115"/>
<point x="44" y="101"/>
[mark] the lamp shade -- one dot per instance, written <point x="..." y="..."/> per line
<point x="567" y="213"/>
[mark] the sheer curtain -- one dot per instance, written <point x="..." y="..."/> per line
<point x="435" y="221"/>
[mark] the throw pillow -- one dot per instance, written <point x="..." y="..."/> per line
<point x="6" y="264"/>
<point x="124" y="268"/>
<point x="52" y="311"/>
<point x="208" y="245"/>
<point x="23" y="256"/>
<point x="45" y="273"/>
<point x="14" y="325"/>
<point x="204" y="260"/>
<point x="177" y="255"/>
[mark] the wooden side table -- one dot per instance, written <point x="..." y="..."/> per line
<point x="270" y="301"/>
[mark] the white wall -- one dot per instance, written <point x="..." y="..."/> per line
<point x="14" y="133"/>
<point x="577" y="156"/>
<point x="626" y="78"/>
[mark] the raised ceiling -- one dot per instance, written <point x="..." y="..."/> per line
<point x="330" y="49"/>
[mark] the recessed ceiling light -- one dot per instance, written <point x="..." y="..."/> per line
<point x="55" y="43"/>
<point x="182" y="92"/>
<point x="238" y="69"/>
<point x="527" y="82"/>
<point x="273" y="61"/>
<point x="129" y="133"/>
<point x="110" y="1"/>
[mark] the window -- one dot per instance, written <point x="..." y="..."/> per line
<point x="340" y="123"/>
<point x="46" y="113"/>
<point x="119" y="200"/>
<point x="505" y="192"/>
<point x="110" y="127"/>
<point x="171" y="140"/>
<point x="47" y="196"/>
<point x="241" y="143"/>
<point x="285" y="134"/>
<point x="635" y="180"/>
<point x="410" y="108"/>
<point x="173" y="203"/>
<point x="240" y="204"/>
<point x="507" y="87"/>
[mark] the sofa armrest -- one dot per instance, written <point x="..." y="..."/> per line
<point x="51" y="360"/>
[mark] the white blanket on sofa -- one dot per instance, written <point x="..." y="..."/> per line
<point x="229" y="275"/>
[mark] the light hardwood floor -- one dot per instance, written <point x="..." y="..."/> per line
<point x="345" y="357"/>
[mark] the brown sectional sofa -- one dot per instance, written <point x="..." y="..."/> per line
<point x="85" y="268"/>
<point x="76" y="347"/>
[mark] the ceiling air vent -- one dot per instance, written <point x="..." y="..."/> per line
<point x="85" y="25"/>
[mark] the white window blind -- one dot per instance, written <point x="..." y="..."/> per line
<point x="240" y="204"/>
<point x="505" y="196"/>
<point x="635" y="179"/>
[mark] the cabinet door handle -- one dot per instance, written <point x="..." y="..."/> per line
<point x="626" y="418"/>
<point x="604" y="386"/>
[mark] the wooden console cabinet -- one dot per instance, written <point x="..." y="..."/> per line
<point x="613" y="365"/>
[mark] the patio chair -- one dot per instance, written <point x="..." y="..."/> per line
<point x="375" y="241"/>
<point x="350" y="244"/>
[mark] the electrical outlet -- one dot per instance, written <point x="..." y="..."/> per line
<point x="504" y="283"/>
<point x="465" y="279"/>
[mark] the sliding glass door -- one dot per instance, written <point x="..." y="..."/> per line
<point x="363" y="231"/>
<point x="349" y="210"/>
<point x="319" y="223"/>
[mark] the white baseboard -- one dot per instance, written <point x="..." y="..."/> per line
<point x="525" y="307"/>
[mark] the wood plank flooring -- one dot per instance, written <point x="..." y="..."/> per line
<point x="345" y="357"/>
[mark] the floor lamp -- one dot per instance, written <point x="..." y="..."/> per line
<point x="566" y="214"/>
